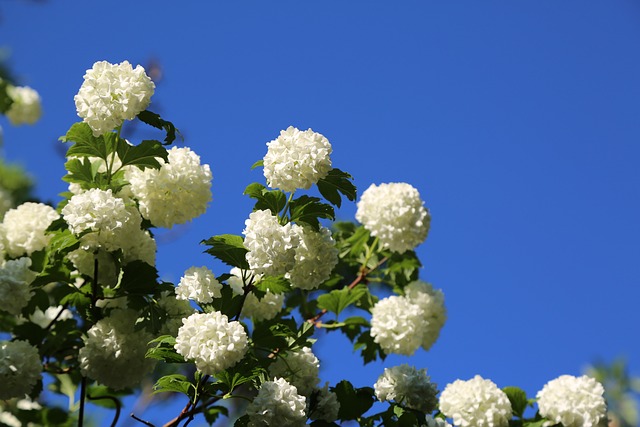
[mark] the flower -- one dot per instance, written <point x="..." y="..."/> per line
<point x="111" y="94"/>
<point x="296" y="159"/>
<point x="431" y="301"/>
<point x="20" y="368"/>
<point x="24" y="228"/>
<point x="395" y="325"/>
<point x="84" y="259"/>
<point x="265" y="308"/>
<point x="198" y="284"/>
<point x="315" y="257"/>
<point x="25" y="107"/>
<point x="277" y="403"/>
<point x="44" y="318"/>
<point x="436" y="422"/>
<point x="395" y="214"/>
<point x="176" y="310"/>
<point x="236" y="280"/>
<point x="174" y="194"/>
<point x="324" y="405"/>
<point x="300" y="368"/>
<point x="572" y="401"/>
<point x="475" y="403"/>
<point x="272" y="247"/>
<point x="114" y="351"/>
<point x="15" y="278"/>
<point x="407" y="386"/>
<point x="211" y="341"/>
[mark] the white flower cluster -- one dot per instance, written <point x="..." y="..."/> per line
<point x="572" y="401"/>
<point x="408" y="386"/>
<point x="198" y="284"/>
<point x="176" y="310"/>
<point x="44" y="318"/>
<point x="315" y="257"/>
<point x="296" y="159"/>
<point x="84" y="260"/>
<point x="300" y="368"/>
<point x="174" y="194"/>
<point x="272" y="247"/>
<point x="20" y="368"/>
<point x="211" y="341"/>
<point x="15" y="278"/>
<point x="475" y="403"/>
<point x="114" y="352"/>
<point x="262" y="309"/>
<point x="326" y="406"/>
<point x="436" y="422"/>
<point x="26" y="106"/>
<point x="111" y="94"/>
<point x="401" y="324"/>
<point x="395" y="214"/>
<point x="236" y="281"/>
<point x="277" y="403"/>
<point x="24" y="228"/>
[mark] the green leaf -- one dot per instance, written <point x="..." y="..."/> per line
<point x="139" y="278"/>
<point x="157" y="122"/>
<point x="518" y="399"/>
<point x="257" y="164"/>
<point x="5" y="99"/>
<point x="228" y="248"/>
<point x="85" y="144"/>
<point x="335" y="183"/>
<point x="164" y="350"/>
<point x="212" y="413"/>
<point x="353" y="402"/>
<point x="369" y="349"/>
<point x="309" y="209"/>
<point x="275" y="284"/>
<point x="80" y="171"/>
<point x="274" y="200"/>
<point x="144" y="155"/>
<point x="173" y="383"/>
<point x="337" y="300"/>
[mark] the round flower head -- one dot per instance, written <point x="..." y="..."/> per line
<point x="395" y="214"/>
<point x="315" y="257"/>
<point x="111" y="94"/>
<point x="140" y="246"/>
<point x="211" y="341"/>
<point x="20" y="368"/>
<point x="272" y="247"/>
<point x="324" y="405"/>
<point x="407" y="386"/>
<point x="572" y="401"/>
<point x="296" y="159"/>
<point x="475" y="403"/>
<point x="114" y="352"/>
<point x="395" y="325"/>
<point x="174" y="194"/>
<point x="198" y="284"/>
<point x="301" y="368"/>
<point x="265" y="308"/>
<point x="24" y="228"/>
<point x="25" y="107"/>
<point x="277" y="403"/>
<point x="431" y="301"/>
<point x="15" y="278"/>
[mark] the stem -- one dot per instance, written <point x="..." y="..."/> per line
<point x="189" y="409"/>
<point x="147" y="423"/>
<point x="115" y="401"/>
<point x="286" y="207"/>
<point x="83" y="390"/>
<point x="113" y="156"/>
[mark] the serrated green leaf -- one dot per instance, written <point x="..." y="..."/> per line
<point x="335" y="183"/>
<point x="518" y="399"/>
<point x="164" y="350"/>
<point x="339" y="299"/>
<point x="81" y="171"/>
<point x="257" y="164"/>
<point x="274" y="200"/>
<point x="143" y="155"/>
<point x="212" y="413"/>
<point x="308" y="210"/>
<point x="85" y="144"/>
<point x="228" y="248"/>
<point x="173" y="383"/>
<point x="157" y="122"/>
<point x="275" y="284"/>
<point x="139" y="278"/>
<point x="369" y="349"/>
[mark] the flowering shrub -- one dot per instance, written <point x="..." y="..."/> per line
<point x="82" y="304"/>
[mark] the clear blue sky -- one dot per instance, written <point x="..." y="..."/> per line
<point x="517" y="121"/>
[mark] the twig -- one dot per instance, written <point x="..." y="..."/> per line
<point x="141" y="420"/>
<point x="115" y="401"/>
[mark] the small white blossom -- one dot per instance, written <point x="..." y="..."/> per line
<point x="174" y="194"/>
<point x="111" y="94"/>
<point x="300" y="368"/>
<point x="265" y="308"/>
<point x="15" y="278"/>
<point x="315" y="257"/>
<point x="408" y="386"/>
<point x="572" y="401"/>
<point x="395" y="214"/>
<point x="211" y="341"/>
<point x="475" y="403"/>
<point x="272" y="247"/>
<point x="20" y="368"/>
<point x="9" y="419"/>
<point x="277" y="403"/>
<point x="140" y="246"/>
<point x="44" y="318"/>
<point x="431" y="301"/>
<point x="324" y="405"/>
<point x="24" y="228"/>
<point x="296" y="159"/>
<point x="176" y="310"/>
<point x="198" y="284"/>
<point x="26" y="106"/>
<point x="395" y="325"/>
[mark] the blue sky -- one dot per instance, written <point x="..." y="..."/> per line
<point x="517" y="122"/>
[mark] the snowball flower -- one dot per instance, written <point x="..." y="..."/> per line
<point x="431" y="301"/>
<point x="408" y="386"/>
<point x="475" y="403"/>
<point x="111" y="94"/>
<point x="300" y="368"/>
<point x="174" y="194"/>
<point x="572" y="401"/>
<point x="272" y="247"/>
<point x="211" y="341"/>
<point x="26" y="106"/>
<point x="315" y="257"/>
<point x="24" y="228"/>
<point x="15" y="278"/>
<point x="114" y="352"/>
<point x="296" y="159"/>
<point x="44" y="318"/>
<point x="198" y="284"/>
<point x="277" y="403"/>
<point x="265" y="308"/>
<point x="395" y="214"/>
<point x="395" y="325"/>
<point x="326" y="406"/>
<point x="20" y="368"/>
